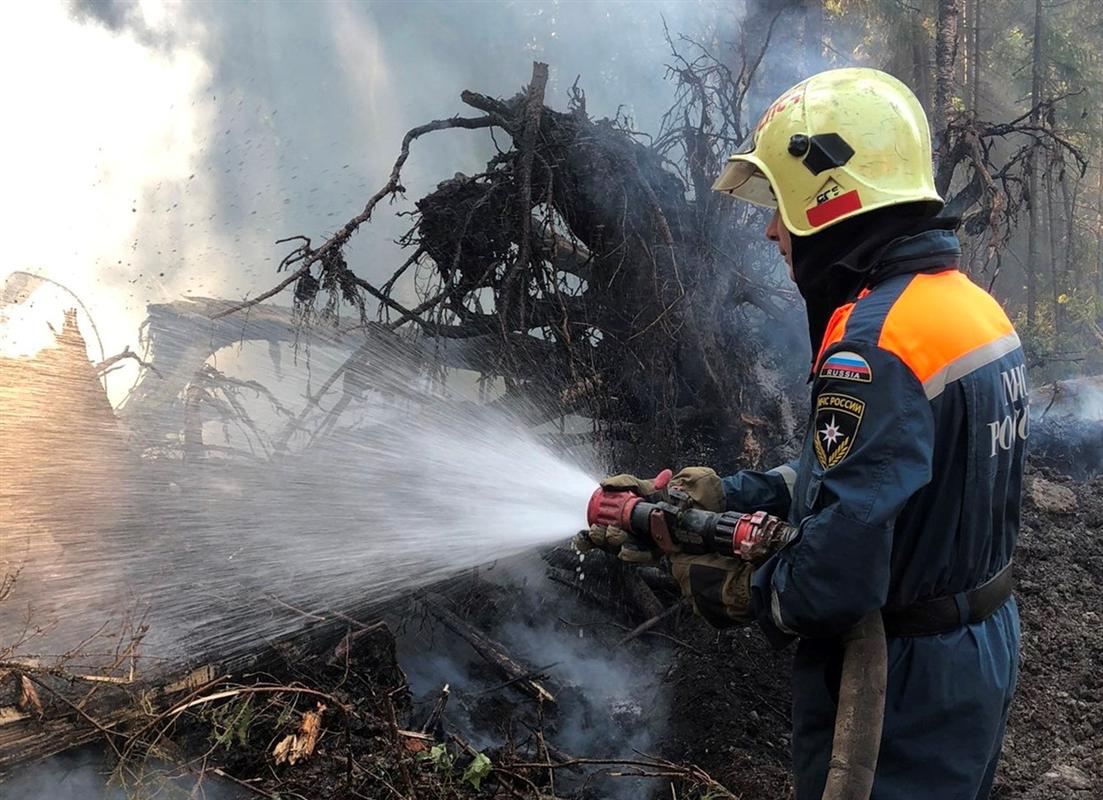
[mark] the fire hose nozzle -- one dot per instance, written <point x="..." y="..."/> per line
<point x="672" y="527"/>
<point x="748" y="537"/>
<point x="613" y="507"/>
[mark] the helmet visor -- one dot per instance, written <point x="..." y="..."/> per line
<point x="744" y="178"/>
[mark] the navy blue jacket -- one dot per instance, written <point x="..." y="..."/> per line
<point x="908" y="488"/>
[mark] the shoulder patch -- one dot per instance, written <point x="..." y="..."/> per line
<point x="846" y="366"/>
<point x="838" y="417"/>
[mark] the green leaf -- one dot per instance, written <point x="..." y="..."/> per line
<point x="244" y="719"/>
<point x="478" y="769"/>
<point x="284" y="717"/>
<point x="439" y="755"/>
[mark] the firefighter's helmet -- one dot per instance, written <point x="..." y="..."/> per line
<point x="839" y="144"/>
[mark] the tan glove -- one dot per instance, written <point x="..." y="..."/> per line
<point x="600" y="537"/>
<point x="619" y="483"/>
<point x="718" y="586"/>
<point x="613" y="540"/>
<point x="703" y="487"/>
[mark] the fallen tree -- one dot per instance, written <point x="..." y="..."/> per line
<point x="588" y="276"/>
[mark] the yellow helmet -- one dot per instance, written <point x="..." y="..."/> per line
<point x="839" y="144"/>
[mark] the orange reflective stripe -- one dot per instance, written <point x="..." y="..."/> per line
<point x="836" y="326"/>
<point x="940" y="318"/>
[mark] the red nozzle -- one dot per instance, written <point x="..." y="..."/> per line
<point x="611" y="507"/>
<point x="614" y="507"/>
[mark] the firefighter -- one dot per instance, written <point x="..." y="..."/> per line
<point x="907" y="490"/>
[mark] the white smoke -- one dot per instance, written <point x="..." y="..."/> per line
<point x="103" y="130"/>
<point x="163" y="148"/>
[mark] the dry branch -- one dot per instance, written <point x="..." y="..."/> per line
<point x="299" y="746"/>
<point x="123" y="714"/>
<point x="126" y="353"/>
<point x="436" y="716"/>
<point x="306" y="257"/>
<point x="644" y="627"/>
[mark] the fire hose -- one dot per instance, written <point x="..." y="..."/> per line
<point x="669" y="522"/>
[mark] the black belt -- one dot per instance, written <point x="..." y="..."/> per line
<point x="944" y="614"/>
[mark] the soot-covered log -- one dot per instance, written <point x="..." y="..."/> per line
<point x="1068" y="445"/>
<point x="521" y="676"/>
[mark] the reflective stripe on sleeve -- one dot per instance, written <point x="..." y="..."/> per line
<point x="970" y="362"/>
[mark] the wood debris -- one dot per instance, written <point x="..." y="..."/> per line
<point x="28" y="697"/>
<point x="296" y="747"/>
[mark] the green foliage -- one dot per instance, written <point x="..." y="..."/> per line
<point x="230" y="723"/>
<point x="444" y="763"/>
<point x="997" y="48"/>
<point x="1066" y="338"/>
<point x="286" y="712"/>
<point x="477" y="770"/>
<point x="440" y="758"/>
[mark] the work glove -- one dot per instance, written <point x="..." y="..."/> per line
<point x="702" y="486"/>
<point x="616" y="542"/>
<point x="644" y="487"/>
<point x="719" y="587"/>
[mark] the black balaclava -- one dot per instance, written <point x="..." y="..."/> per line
<point x="833" y="266"/>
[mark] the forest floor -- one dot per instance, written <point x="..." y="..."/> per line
<point x="680" y="711"/>
<point x="1054" y="744"/>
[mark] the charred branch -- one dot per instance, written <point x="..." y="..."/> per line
<point x="105" y="365"/>
<point x="304" y="257"/>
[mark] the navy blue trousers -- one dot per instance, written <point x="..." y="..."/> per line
<point x="945" y="711"/>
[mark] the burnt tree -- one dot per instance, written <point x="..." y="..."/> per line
<point x="597" y="272"/>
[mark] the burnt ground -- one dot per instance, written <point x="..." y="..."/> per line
<point x="683" y="702"/>
<point x="1054" y="745"/>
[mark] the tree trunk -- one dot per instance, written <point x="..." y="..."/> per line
<point x="974" y="58"/>
<point x="1071" y="267"/>
<point x="921" y="63"/>
<point x="813" y="36"/>
<point x="1099" y="228"/>
<point x="946" y="36"/>
<point x="1036" y="118"/>
<point x="963" y="52"/>
<point x="1054" y="246"/>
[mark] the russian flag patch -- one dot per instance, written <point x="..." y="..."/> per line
<point x="846" y="366"/>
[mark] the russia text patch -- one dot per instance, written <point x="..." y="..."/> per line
<point x="846" y="366"/>
<point x="838" y="417"/>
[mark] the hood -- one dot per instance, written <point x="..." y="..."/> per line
<point x="831" y="268"/>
